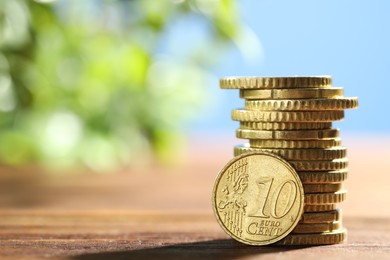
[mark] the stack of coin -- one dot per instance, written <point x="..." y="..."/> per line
<point x="292" y="117"/>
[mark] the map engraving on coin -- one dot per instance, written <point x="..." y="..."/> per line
<point x="258" y="198"/>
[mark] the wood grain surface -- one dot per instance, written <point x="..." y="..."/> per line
<point x="153" y="235"/>
<point x="165" y="212"/>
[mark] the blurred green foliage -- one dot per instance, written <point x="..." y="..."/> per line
<point x="84" y="82"/>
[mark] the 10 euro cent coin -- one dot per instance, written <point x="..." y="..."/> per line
<point x="258" y="198"/>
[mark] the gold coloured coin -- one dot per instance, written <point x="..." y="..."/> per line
<point x="287" y="116"/>
<point x="288" y="135"/>
<point x="325" y="238"/>
<point x="294" y="144"/>
<point x="316" y="227"/>
<point x="323" y="177"/>
<point x="340" y="103"/>
<point x="323" y="187"/>
<point x="275" y="82"/>
<point x="297" y="93"/>
<point x="284" y="126"/>
<point x="297" y="154"/>
<point x="333" y="165"/>
<point x="258" y="198"/>
<point x="325" y="198"/>
<point x="321" y="217"/>
<point x="319" y="208"/>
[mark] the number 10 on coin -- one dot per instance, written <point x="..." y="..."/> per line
<point x="258" y="198"/>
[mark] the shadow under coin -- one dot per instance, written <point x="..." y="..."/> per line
<point x="212" y="249"/>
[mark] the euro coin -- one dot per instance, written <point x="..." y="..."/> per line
<point x="288" y="135"/>
<point x="275" y="82"/>
<point x="294" y="144"/>
<point x="320" y="104"/>
<point x="333" y="165"/>
<point x="258" y="198"/>
<point x="298" y="93"/>
<point x="319" y="207"/>
<point x="287" y="116"/>
<point x="323" y="177"/>
<point x="284" y="126"/>
<point x="325" y="198"/>
<point x="317" y="227"/>
<point x="321" y="217"/>
<point x="323" y="187"/>
<point x="297" y="154"/>
<point x="325" y="238"/>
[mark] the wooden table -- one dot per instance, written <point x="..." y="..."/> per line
<point x="165" y="212"/>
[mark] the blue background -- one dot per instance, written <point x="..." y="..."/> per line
<point x="346" y="39"/>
